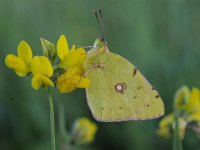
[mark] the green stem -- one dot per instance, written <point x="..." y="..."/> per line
<point x="64" y="135"/>
<point x="52" y="126"/>
<point x="63" y="131"/>
<point x="177" y="145"/>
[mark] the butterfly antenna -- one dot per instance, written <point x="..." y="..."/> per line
<point x="79" y="46"/>
<point x="100" y="22"/>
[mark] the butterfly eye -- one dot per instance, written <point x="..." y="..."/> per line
<point x="100" y="44"/>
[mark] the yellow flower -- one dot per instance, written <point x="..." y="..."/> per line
<point x="72" y="62"/>
<point x="70" y="80"/>
<point x="42" y="70"/>
<point x="188" y="103"/>
<point x="69" y="58"/>
<point x="182" y="97"/>
<point x="166" y="126"/>
<point x="84" y="130"/>
<point x="20" y="63"/>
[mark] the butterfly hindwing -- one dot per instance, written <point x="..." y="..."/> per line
<point x="118" y="90"/>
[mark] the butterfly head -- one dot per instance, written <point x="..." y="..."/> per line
<point x="99" y="46"/>
<point x="99" y="43"/>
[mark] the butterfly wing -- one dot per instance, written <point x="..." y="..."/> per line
<point x="118" y="91"/>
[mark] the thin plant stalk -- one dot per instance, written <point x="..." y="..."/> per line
<point x="177" y="145"/>
<point x="64" y="135"/>
<point x="62" y="128"/>
<point x="52" y="124"/>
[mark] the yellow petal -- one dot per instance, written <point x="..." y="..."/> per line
<point x="70" y="80"/>
<point x="41" y="65"/>
<point x="20" y="74"/>
<point x="166" y="121"/>
<point x="35" y="66"/>
<point x="17" y="64"/>
<point x="62" y="47"/>
<point x="73" y="58"/>
<point x="46" y="66"/>
<point x="194" y="116"/>
<point x="46" y="81"/>
<point x="36" y="82"/>
<point x="24" y="52"/>
<point x="64" y="82"/>
<point x="65" y="87"/>
<point x="182" y="97"/>
<point x="84" y="83"/>
<point x="40" y="80"/>
<point x="81" y="54"/>
<point x="194" y="101"/>
<point x="70" y="73"/>
<point x="164" y="132"/>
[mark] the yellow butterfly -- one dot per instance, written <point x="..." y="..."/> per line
<point x="118" y="90"/>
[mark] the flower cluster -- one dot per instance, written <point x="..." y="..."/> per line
<point x="188" y="104"/>
<point x="83" y="131"/>
<point x="58" y="66"/>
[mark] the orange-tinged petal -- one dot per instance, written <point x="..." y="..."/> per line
<point x="62" y="47"/>
<point x="17" y="64"/>
<point x="41" y="65"/>
<point x="24" y="52"/>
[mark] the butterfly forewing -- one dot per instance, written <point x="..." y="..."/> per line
<point x="118" y="90"/>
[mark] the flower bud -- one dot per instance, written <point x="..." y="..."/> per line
<point x="48" y="48"/>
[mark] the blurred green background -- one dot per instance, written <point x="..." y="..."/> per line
<point x="161" y="37"/>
